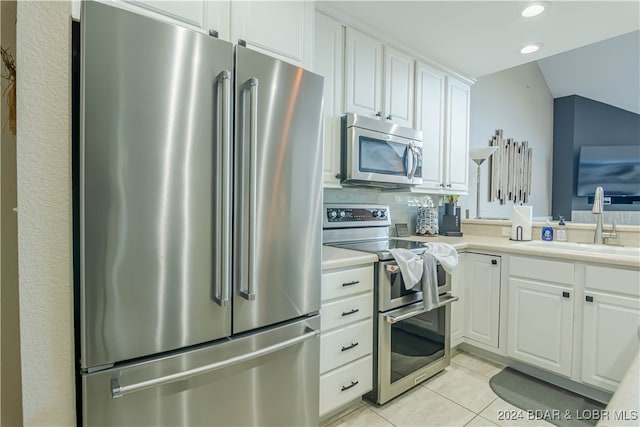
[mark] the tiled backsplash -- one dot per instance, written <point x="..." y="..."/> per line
<point x="619" y="217"/>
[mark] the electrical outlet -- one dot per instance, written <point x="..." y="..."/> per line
<point x="506" y="231"/>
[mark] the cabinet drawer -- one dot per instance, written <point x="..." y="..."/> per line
<point x="345" y="384"/>
<point x="612" y="280"/>
<point x="540" y="269"/>
<point x="345" y="311"/>
<point x="348" y="281"/>
<point x="345" y="345"/>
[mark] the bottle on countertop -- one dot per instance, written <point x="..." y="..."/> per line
<point x="561" y="233"/>
<point x="547" y="231"/>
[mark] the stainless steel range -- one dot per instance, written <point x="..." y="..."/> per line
<point x="410" y="344"/>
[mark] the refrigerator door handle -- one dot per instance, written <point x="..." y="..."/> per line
<point x="252" y="85"/>
<point x="223" y="154"/>
<point x="118" y="390"/>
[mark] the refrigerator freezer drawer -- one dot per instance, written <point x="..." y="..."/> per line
<point x="268" y="378"/>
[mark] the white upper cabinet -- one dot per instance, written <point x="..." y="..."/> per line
<point x="379" y="80"/>
<point x="398" y="84"/>
<point x="442" y="114"/>
<point x="363" y="86"/>
<point x="283" y="29"/>
<point x="198" y="15"/>
<point x="430" y="114"/>
<point x="457" y="137"/>
<point x="329" y="62"/>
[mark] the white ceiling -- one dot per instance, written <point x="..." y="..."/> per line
<point x="476" y="38"/>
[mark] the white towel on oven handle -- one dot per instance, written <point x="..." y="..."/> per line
<point x="411" y="266"/>
<point x="419" y="273"/>
<point x="430" y="297"/>
<point x="445" y="254"/>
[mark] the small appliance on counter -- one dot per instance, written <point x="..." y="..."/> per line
<point x="449" y="221"/>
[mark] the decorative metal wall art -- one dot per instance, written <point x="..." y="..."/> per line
<point x="510" y="170"/>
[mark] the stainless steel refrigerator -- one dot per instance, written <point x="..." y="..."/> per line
<point x="199" y="228"/>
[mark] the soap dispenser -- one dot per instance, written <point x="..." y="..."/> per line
<point x="561" y="234"/>
<point x="547" y="231"/>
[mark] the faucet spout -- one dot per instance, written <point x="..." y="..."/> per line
<point x="598" y="207"/>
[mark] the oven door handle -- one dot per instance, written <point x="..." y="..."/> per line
<point x="415" y="309"/>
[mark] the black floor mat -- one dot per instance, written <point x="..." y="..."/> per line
<point x="547" y="401"/>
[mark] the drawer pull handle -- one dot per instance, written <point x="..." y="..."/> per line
<point x="355" y="282"/>
<point x="347" y="387"/>
<point x="347" y="313"/>
<point x="566" y="294"/>
<point x="589" y="298"/>
<point x="349" y="347"/>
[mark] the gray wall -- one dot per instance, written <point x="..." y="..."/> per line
<point x="581" y="122"/>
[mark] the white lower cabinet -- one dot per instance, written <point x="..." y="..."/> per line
<point x="610" y="326"/>
<point x="458" y="307"/>
<point x="541" y="324"/>
<point x="346" y="342"/>
<point x="482" y="298"/>
<point x="345" y="384"/>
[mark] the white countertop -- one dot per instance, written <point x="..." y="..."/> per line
<point x="504" y="244"/>
<point x="337" y="258"/>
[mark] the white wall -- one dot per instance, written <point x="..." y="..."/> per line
<point x="44" y="212"/>
<point x="518" y="101"/>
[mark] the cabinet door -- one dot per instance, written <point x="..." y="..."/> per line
<point x="457" y="154"/>
<point x="283" y="29"/>
<point x="482" y="298"/>
<point x="610" y="338"/>
<point x="399" y="71"/>
<point x="541" y="324"/>
<point x="185" y="13"/>
<point x="328" y="62"/>
<point x="363" y="83"/>
<point x="457" y="308"/>
<point x="430" y="104"/>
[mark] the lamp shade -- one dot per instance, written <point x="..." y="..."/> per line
<point x="480" y="154"/>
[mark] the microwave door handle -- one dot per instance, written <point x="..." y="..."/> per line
<point x="406" y="156"/>
<point x="414" y="162"/>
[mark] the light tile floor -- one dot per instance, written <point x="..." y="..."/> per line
<point x="459" y="396"/>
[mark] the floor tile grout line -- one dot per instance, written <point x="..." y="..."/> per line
<point x="452" y="401"/>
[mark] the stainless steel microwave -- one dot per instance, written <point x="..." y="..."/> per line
<point x="376" y="153"/>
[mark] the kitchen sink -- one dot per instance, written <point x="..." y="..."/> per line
<point x="585" y="247"/>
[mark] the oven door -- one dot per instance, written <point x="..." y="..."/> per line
<point x="413" y="345"/>
<point x="378" y="157"/>
<point x="391" y="290"/>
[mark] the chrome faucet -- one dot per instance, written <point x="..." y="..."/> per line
<point x="597" y="209"/>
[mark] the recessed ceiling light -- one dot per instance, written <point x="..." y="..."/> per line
<point x="533" y="10"/>
<point x="530" y="48"/>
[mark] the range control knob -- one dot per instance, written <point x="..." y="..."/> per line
<point x="375" y="214"/>
<point x="342" y="213"/>
<point x="333" y="214"/>
<point x="382" y="213"/>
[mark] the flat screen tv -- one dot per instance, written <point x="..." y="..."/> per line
<point x="615" y="168"/>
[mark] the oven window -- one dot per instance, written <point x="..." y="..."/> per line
<point x="417" y="342"/>
<point x="385" y="157"/>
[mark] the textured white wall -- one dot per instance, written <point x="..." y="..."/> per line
<point x="518" y="101"/>
<point x="44" y="212"/>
